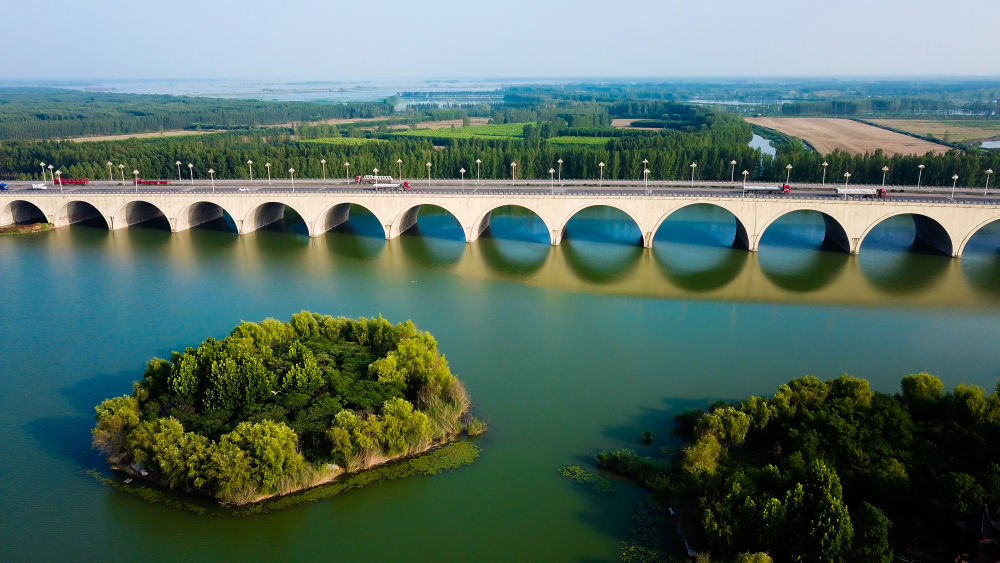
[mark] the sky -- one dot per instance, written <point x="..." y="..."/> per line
<point x="336" y="40"/>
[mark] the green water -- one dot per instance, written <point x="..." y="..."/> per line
<point x="564" y="350"/>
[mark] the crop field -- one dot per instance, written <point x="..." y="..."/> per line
<point x="575" y="140"/>
<point x="492" y="131"/>
<point x="828" y="134"/>
<point x="345" y="141"/>
<point x="948" y="130"/>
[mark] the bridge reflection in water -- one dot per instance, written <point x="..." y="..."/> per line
<point x="693" y="258"/>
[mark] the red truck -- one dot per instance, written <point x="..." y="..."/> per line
<point x="142" y="182"/>
<point x="73" y="181"/>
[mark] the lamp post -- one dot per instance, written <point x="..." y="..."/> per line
<point x="347" y="166"/>
<point x="250" y="164"/>
<point x="513" y="170"/>
<point x="693" y="166"/>
<point x="59" y="175"/>
<point x="111" y="177"/>
<point x="399" y="163"/>
<point x="136" y="174"/>
<point x="552" y="185"/>
<point x="920" y="173"/>
<point x="788" y="173"/>
<point x="54" y="178"/>
<point x="847" y="178"/>
<point x="121" y="170"/>
<point x="323" y="162"/>
<point x="645" y="179"/>
<point x="954" y="180"/>
<point x="825" y="164"/>
<point x="600" y="180"/>
<point x="211" y="174"/>
<point x="885" y="170"/>
<point x="178" y="163"/>
<point x="268" y="166"/>
<point x="560" y="161"/>
<point x="462" y="172"/>
<point x="989" y="172"/>
<point x="478" y="162"/>
<point x="291" y="172"/>
<point x="428" y="174"/>
<point x="645" y="164"/>
<point x="745" y="174"/>
<point x="191" y="171"/>
<point x="42" y="164"/>
<point x="732" y="171"/>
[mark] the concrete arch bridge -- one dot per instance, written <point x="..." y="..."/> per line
<point x="942" y="224"/>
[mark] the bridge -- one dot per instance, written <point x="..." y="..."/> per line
<point x="944" y="224"/>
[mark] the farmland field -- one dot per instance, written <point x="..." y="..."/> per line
<point x="828" y="134"/>
<point x="348" y="141"/>
<point x="948" y="130"/>
<point x="575" y="140"/>
<point x="494" y="131"/>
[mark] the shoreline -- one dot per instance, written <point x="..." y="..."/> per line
<point x="16" y="229"/>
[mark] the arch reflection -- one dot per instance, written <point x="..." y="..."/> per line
<point x="603" y="224"/>
<point x="798" y="253"/>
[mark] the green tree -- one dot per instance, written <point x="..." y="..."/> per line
<point x="115" y="418"/>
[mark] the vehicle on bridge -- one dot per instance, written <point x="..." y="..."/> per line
<point x="3" y="187"/>
<point x="381" y="182"/>
<point x="872" y="193"/>
<point x="73" y="181"/>
<point x="782" y="189"/>
<point x="142" y="182"/>
<point x="39" y="187"/>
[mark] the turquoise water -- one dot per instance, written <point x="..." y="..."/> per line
<point x="564" y="350"/>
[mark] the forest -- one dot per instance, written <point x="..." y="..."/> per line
<point x="277" y="407"/>
<point x="832" y="471"/>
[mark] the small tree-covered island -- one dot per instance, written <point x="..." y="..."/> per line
<point x="277" y="407"/>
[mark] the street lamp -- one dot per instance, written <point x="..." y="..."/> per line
<point x="693" y="166"/>
<point x="847" y="178"/>
<point x="191" y="170"/>
<point x="788" y="174"/>
<point x="211" y="174"/>
<point x="54" y="178"/>
<point x="560" y="161"/>
<point x="111" y="178"/>
<point x="42" y="164"/>
<point x="462" y="172"/>
<point x="732" y="170"/>
<point x="825" y="164"/>
<point x="121" y="170"/>
<point x="954" y="180"/>
<point x="745" y="174"/>
<point x="178" y="163"/>
<point x="59" y="175"/>
<point x="552" y="185"/>
<point x="513" y="170"/>
<point x="885" y="170"/>
<point x="399" y="163"/>
<point x="136" y="174"/>
<point x="645" y="164"/>
<point x="250" y="164"/>
<point x="478" y="162"/>
<point x="323" y="162"/>
<point x="645" y="179"/>
<point x="988" y="173"/>
<point x="428" y="174"/>
<point x="919" y="174"/>
<point x="347" y="165"/>
<point x="600" y="180"/>
<point x="291" y="172"/>
<point x="268" y="166"/>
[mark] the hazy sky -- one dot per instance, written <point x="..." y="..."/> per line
<point x="315" y="40"/>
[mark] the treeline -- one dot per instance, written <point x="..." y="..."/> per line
<point x="45" y="113"/>
<point x="831" y="471"/>
<point x="276" y="406"/>
<point x="890" y="106"/>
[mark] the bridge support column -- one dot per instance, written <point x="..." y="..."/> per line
<point x="555" y="236"/>
<point x="264" y="216"/>
<point x="475" y="231"/>
<point x="333" y="219"/>
<point x="404" y="222"/>
<point x="647" y="239"/>
<point x="197" y="215"/>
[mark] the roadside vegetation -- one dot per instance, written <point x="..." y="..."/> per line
<point x="832" y="471"/>
<point x="277" y="407"/>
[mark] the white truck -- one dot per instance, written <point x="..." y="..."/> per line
<point x="782" y="189"/>
<point x="39" y="187"/>
<point x="381" y="182"/>
<point x="873" y="193"/>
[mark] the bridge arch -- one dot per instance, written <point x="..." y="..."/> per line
<point x="558" y="234"/>
<point x="338" y="214"/>
<point x="407" y="218"/>
<point x="836" y="234"/>
<point x="198" y="213"/>
<point x="482" y="222"/>
<point x="742" y="239"/>
<point x="134" y="212"/>
<point x="928" y="231"/>
<point x="77" y="211"/>
<point x="972" y="233"/>
<point x="266" y="213"/>
<point x="21" y="211"/>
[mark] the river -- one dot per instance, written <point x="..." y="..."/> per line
<point x="564" y="350"/>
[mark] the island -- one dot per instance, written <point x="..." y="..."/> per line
<point x="831" y="471"/>
<point x="277" y="407"/>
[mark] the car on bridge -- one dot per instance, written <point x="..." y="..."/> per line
<point x="39" y="187"/>
<point x="244" y="189"/>
<point x="3" y="187"/>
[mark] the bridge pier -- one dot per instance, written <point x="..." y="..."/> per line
<point x="334" y="218"/>
<point x="475" y="231"/>
<point x="405" y="220"/>
<point x="555" y="236"/>
<point x="262" y="216"/>
<point x="196" y="215"/>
